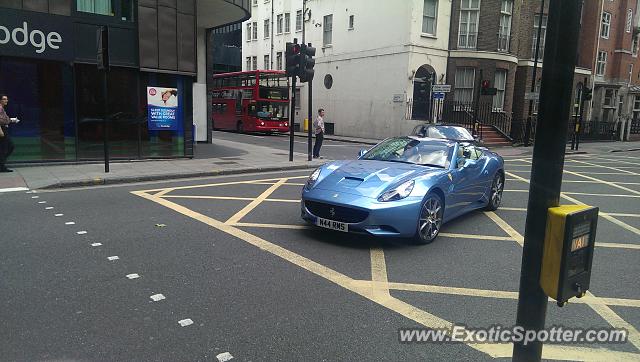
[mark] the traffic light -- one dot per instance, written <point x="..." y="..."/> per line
<point x="486" y="90"/>
<point x="307" y="52"/>
<point x="292" y="59"/>
<point x="587" y="94"/>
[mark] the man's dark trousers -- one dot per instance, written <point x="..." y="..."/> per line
<point x="6" y="148"/>
<point x="316" y="147"/>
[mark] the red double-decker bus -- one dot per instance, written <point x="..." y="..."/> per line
<point x="254" y="101"/>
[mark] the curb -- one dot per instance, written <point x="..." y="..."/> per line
<point x="627" y="150"/>
<point x="329" y="138"/>
<point x="135" y="179"/>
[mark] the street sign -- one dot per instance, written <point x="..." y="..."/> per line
<point x="534" y="96"/>
<point x="437" y="95"/>
<point x="441" y="88"/>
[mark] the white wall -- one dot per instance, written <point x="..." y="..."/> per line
<point x="371" y="64"/>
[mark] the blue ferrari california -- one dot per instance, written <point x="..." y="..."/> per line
<point x="405" y="187"/>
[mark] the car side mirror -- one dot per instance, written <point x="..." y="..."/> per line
<point x="361" y="152"/>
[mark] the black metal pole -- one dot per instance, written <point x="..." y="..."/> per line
<point x="527" y="133"/>
<point x="292" y="117"/>
<point x="576" y="120"/>
<point x="476" y="130"/>
<point x="310" y="121"/>
<point x="105" y="124"/>
<point x="582" y="102"/>
<point x="561" y="46"/>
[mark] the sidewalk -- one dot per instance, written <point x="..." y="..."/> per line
<point x="364" y="141"/>
<point x="232" y="158"/>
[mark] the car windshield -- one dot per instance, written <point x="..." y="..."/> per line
<point x="449" y="132"/>
<point x="409" y="150"/>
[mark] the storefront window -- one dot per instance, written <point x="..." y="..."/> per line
<point x="41" y="96"/>
<point x="122" y="9"/>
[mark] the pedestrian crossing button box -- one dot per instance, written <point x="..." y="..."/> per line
<point x="569" y="242"/>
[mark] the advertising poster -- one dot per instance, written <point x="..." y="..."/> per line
<point x="162" y="109"/>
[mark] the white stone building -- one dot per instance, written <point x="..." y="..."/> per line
<point x="368" y="55"/>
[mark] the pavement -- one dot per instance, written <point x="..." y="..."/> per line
<point x="231" y="153"/>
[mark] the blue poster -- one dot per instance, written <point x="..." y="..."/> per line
<point x="162" y="109"/>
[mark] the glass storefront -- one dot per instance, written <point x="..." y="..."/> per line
<point x="61" y="110"/>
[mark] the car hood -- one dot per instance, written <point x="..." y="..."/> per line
<point x="370" y="178"/>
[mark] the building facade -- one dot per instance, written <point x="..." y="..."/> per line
<point x="48" y="69"/>
<point x="369" y="56"/>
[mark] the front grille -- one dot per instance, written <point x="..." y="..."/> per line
<point x="340" y="213"/>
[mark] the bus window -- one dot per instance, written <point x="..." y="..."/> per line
<point x="252" y="109"/>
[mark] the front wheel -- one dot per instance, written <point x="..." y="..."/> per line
<point x="497" y="187"/>
<point x="430" y="220"/>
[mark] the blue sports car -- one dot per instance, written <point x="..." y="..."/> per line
<point x="405" y="187"/>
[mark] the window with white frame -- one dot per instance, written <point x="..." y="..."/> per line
<point x="249" y="32"/>
<point x="255" y="30"/>
<point x="279" y="23"/>
<point x="468" y="28"/>
<point x="299" y="20"/>
<point x="601" y="63"/>
<point x="255" y="2"/>
<point x="255" y="63"/>
<point x="500" y="82"/>
<point x="279" y="61"/>
<point x="542" y="27"/>
<point x="327" y="30"/>
<point x="627" y="26"/>
<point x="248" y="63"/>
<point x="465" y="77"/>
<point x="609" y="97"/>
<point x="636" y="106"/>
<point x="267" y="63"/>
<point x="536" y="103"/>
<point x="267" y="30"/>
<point x="577" y="98"/>
<point x="634" y="46"/>
<point x="504" y="32"/>
<point x="429" y="17"/>
<point x="630" y="72"/>
<point x="351" y="21"/>
<point x="605" y="26"/>
<point x="287" y="22"/>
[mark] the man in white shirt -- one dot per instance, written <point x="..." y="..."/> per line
<point x="318" y="126"/>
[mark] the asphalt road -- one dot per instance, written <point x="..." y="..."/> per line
<point x="231" y="256"/>
<point x="333" y="150"/>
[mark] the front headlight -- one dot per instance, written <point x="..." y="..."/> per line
<point x="399" y="192"/>
<point x="312" y="179"/>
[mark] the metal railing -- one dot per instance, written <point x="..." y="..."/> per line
<point x="462" y="113"/>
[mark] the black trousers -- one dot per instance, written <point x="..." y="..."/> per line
<point x="6" y="148"/>
<point x="318" y="144"/>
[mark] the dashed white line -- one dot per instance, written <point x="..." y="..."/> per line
<point x="223" y="357"/>
<point x="112" y="258"/>
<point x="133" y="276"/>
<point x="35" y="197"/>
<point x="185" y="322"/>
<point x="81" y="232"/>
<point x="58" y="215"/>
<point x="42" y="202"/>
<point x="69" y="223"/>
<point x="49" y="208"/>
<point x="96" y="244"/>
<point x="13" y="189"/>
<point x="157" y="297"/>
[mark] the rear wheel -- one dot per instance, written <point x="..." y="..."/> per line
<point x="497" y="187"/>
<point x="430" y="220"/>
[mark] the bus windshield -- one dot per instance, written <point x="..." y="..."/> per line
<point x="270" y="110"/>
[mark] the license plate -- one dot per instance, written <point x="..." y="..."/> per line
<point x="333" y="225"/>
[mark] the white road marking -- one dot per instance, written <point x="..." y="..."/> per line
<point x="42" y="202"/>
<point x="69" y="223"/>
<point x="49" y="208"/>
<point x="157" y="297"/>
<point x="81" y="232"/>
<point x="35" y="197"/>
<point x="96" y="244"/>
<point x="185" y="322"/>
<point x="133" y="276"/>
<point x="58" y="215"/>
<point x="223" y="357"/>
<point x="28" y="192"/>
<point x="13" y="189"/>
<point x="112" y="258"/>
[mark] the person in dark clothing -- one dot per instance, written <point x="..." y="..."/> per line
<point x="6" y="145"/>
